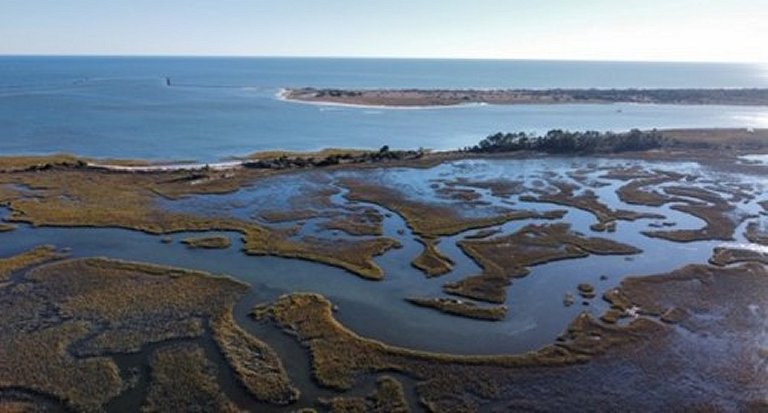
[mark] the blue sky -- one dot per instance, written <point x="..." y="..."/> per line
<point x="677" y="30"/>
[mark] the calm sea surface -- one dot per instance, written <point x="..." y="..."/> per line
<point x="219" y="107"/>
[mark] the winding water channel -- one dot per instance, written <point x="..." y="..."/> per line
<point x="377" y="309"/>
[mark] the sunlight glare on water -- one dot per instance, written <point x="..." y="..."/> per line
<point x="754" y="120"/>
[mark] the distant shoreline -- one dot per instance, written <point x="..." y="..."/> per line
<point x="286" y="94"/>
<point x="440" y="98"/>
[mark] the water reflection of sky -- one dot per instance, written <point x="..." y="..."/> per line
<point x="536" y="311"/>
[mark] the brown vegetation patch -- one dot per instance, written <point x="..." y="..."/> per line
<point x="502" y="188"/>
<point x="60" y="321"/>
<point x="432" y="220"/>
<point x="634" y="191"/>
<point x="19" y="406"/>
<point x="462" y="308"/>
<point x="183" y="379"/>
<point x="312" y="202"/>
<point x="723" y="307"/>
<point x="82" y="197"/>
<point x="458" y="194"/>
<point x="355" y="256"/>
<point x="507" y="257"/>
<point x="267" y="155"/>
<point x="700" y="288"/>
<point x="29" y="258"/>
<point x="586" y="181"/>
<point x="711" y="207"/>
<point x="722" y="138"/>
<point x="484" y="233"/>
<point x="612" y="316"/>
<point x="20" y="163"/>
<point x="388" y="397"/>
<point x="586" y="290"/>
<point x="315" y="202"/>
<point x="77" y="197"/>
<point x="431" y="261"/>
<point x="359" y="220"/>
<point x="588" y="201"/>
<point x="133" y="303"/>
<point x="9" y="192"/>
<point x="726" y="256"/>
<point x="39" y="360"/>
<point x="257" y="366"/>
<point x="445" y="382"/>
<point x="739" y="192"/>
<point x="626" y="173"/>
<point x="756" y="233"/>
<point x="214" y="242"/>
<point x="447" y="97"/>
<point x="291" y="215"/>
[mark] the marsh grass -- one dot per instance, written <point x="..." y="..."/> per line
<point x="461" y="308"/>
<point x="431" y="220"/>
<point x="431" y="261"/>
<point x="38" y="360"/>
<point x="458" y="194"/>
<point x="725" y="139"/>
<point x="355" y="256"/>
<point x="7" y="227"/>
<point x="20" y="406"/>
<point x="59" y="323"/>
<point x="256" y="365"/>
<point x="708" y="206"/>
<point x="756" y="233"/>
<point x="694" y="294"/>
<point x="484" y="233"/>
<point x="588" y="201"/>
<point x="184" y="380"/>
<point x="77" y="197"/>
<point x="635" y="193"/>
<point x="20" y="163"/>
<point x="212" y="242"/>
<point x="502" y="188"/>
<point x="133" y="303"/>
<point x="506" y="257"/>
<point x="325" y="153"/>
<point x="29" y="258"/>
<point x="722" y="256"/>
<point x="388" y="397"/>
<point x="444" y="382"/>
<point x="359" y="220"/>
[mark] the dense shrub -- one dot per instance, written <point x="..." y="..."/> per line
<point x="559" y="141"/>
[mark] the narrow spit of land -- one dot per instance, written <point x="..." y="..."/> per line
<point x="449" y="97"/>
<point x="723" y="146"/>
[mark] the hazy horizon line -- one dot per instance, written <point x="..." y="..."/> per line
<point x="342" y="57"/>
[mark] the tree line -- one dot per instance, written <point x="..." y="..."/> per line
<point x="558" y="141"/>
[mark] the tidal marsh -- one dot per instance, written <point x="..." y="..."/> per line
<point x="431" y="261"/>
<point x="211" y="242"/>
<point x="355" y="219"/>
<point x="62" y="321"/>
<point x="388" y="397"/>
<point x="432" y="220"/>
<point x="507" y="257"/>
<point x="184" y="380"/>
<point x="462" y="308"/>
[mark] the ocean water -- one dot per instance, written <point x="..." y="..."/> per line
<point x="220" y="107"/>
